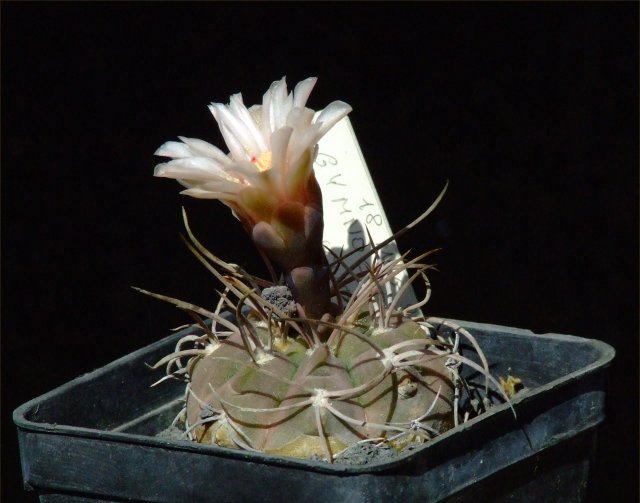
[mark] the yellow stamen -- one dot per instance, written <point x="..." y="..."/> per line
<point x="263" y="161"/>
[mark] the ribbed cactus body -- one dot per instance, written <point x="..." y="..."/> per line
<point x="340" y="361"/>
<point x="297" y="400"/>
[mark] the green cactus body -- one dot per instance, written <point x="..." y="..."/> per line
<point x="272" y="405"/>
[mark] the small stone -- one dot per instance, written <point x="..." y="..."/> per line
<point x="207" y="412"/>
<point x="171" y="433"/>
<point x="511" y="385"/>
<point x="407" y="389"/>
<point x="366" y="453"/>
<point x="281" y="297"/>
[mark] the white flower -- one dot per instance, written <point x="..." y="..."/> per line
<point x="271" y="151"/>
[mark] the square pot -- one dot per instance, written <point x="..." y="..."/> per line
<point x="94" y="438"/>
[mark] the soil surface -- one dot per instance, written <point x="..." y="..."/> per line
<point x="364" y="453"/>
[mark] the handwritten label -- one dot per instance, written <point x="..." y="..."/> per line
<point x="351" y="204"/>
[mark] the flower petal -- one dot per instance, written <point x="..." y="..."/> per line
<point x="300" y="117"/>
<point x="173" y="149"/>
<point x="304" y="133"/>
<point x="238" y="109"/>
<point x="276" y="106"/>
<point x="201" y="148"/>
<point x="200" y="193"/>
<point x="331" y="115"/>
<point x="297" y="175"/>
<point x="279" y="144"/>
<point x="193" y="168"/>
<point x="235" y="133"/>
<point x="244" y="168"/>
<point x="302" y="91"/>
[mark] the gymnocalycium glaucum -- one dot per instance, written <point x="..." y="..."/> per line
<point x="302" y="367"/>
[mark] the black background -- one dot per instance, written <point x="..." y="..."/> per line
<point x="530" y="110"/>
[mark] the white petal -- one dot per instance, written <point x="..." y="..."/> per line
<point x="232" y="126"/>
<point x="278" y="104"/>
<point x="232" y="188"/>
<point x="193" y="168"/>
<point x="217" y="186"/>
<point x="256" y="114"/>
<point x="235" y="147"/>
<point x="331" y="115"/>
<point x="285" y="108"/>
<point x="299" y="118"/>
<point x="201" y="193"/>
<point x="302" y="140"/>
<point x="298" y="173"/>
<point x="267" y="108"/>
<point x="245" y="168"/>
<point x="264" y="122"/>
<point x="201" y="148"/>
<point x="238" y="108"/>
<point x="173" y="149"/>
<point x="279" y="144"/>
<point x="302" y="91"/>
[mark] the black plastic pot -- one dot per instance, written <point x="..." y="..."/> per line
<point x="93" y="439"/>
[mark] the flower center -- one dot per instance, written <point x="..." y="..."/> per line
<point x="263" y="161"/>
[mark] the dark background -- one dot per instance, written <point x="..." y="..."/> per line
<point x="530" y="110"/>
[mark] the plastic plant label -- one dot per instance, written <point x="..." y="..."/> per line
<point x="351" y="204"/>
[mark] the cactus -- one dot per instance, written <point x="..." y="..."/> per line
<point x="302" y="368"/>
